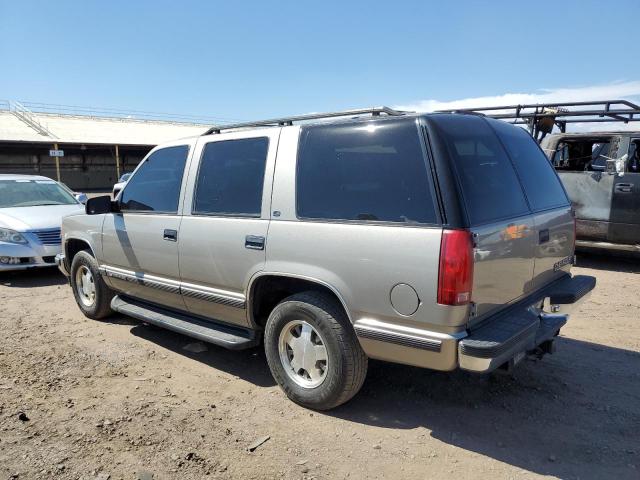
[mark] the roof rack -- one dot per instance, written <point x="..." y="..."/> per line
<point x="542" y="117"/>
<point x="373" y="111"/>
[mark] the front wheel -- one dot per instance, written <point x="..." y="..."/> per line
<point x="92" y="295"/>
<point x="313" y="352"/>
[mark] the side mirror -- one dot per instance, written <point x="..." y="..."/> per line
<point x="81" y="197"/>
<point x="100" y="205"/>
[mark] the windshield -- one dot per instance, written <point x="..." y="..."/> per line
<point x="32" y="193"/>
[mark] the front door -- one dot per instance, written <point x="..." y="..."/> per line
<point x="225" y="223"/>
<point x="625" y="207"/>
<point x="140" y="244"/>
<point x="581" y="165"/>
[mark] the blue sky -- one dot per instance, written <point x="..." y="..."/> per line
<point x="247" y="60"/>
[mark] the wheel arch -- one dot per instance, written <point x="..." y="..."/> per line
<point x="267" y="289"/>
<point x="74" y="245"/>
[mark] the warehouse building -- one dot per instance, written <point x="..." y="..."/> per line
<point x="84" y="151"/>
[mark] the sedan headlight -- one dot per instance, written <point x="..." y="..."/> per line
<point x="11" y="236"/>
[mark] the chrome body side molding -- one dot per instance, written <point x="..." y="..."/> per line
<point x="222" y="297"/>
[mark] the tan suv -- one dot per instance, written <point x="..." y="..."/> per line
<point x="442" y="241"/>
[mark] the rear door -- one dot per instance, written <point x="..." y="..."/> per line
<point x="226" y="218"/>
<point x="552" y="215"/>
<point x="625" y="207"/>
<point x="503" y="227"/>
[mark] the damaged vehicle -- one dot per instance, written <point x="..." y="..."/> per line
<point x="601" y="173"/>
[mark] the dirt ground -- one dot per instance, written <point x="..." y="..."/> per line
<point x="120" y="399"/>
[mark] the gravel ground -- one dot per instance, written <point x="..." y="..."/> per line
<point x="119" y="399"/>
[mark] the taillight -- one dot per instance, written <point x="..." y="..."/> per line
<point x="455" y="277"/>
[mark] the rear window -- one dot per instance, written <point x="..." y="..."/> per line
<point x="541" y="183"/>
<point x="373" y="171"/>
<point x="490" y="186"/>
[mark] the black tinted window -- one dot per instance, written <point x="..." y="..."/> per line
<point x="231" y="177"/>
<point x="366" y="171"/>
<point x="541" y="184"/>
<point x="156" y="184"/>
<point x="490" y="187"/>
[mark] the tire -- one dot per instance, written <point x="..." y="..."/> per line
<point x="100" y="307"/>
<point x="346" y="366"/>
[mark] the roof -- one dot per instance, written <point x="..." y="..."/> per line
<point x="12" y="176"/>
<point x="92" y="130"/>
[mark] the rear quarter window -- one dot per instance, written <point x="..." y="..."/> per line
<point x="539" y="179"/>
<point x="490" y="187"/>
<point x="374" y="171"/>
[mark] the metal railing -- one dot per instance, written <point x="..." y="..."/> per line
<point x="542" y="117"/>
<point x="24" y="114"/>
<point x="115" y="113"/>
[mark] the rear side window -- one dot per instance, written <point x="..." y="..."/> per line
<point x="155" y="187"/>
<point x="372" y="171"/>
<point x="490" y="186"/>
<point x="541" y="184"/>
<point x="231" y="177"/>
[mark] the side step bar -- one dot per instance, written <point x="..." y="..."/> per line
<point x="233" y="338"/>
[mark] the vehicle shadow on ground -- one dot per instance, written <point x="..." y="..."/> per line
<point x="250" y="365"/>
<point x="572" y="415"/>
<point x="609" y="262"/>
<point x="37" y="277"/>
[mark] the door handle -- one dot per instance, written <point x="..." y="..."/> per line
<point x="170" y="235"/>
<point x="624" y="187"/>
<point x="254" y="242"/>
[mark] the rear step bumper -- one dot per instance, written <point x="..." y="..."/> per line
<point x="505" y="339"/>
<point x="227" y="336"/>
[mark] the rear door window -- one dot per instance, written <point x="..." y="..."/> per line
<point x="231" y="177"/>
<point x="155" y="186"/>
<point x="374" y="171"/>
<point x="490" y="186"/>
<point x="541" y="183"/>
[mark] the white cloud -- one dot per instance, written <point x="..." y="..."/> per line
<point x="619" y="90"/>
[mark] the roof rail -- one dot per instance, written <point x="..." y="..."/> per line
<point x="275" y="122"/>
<point x="542" y="117"/>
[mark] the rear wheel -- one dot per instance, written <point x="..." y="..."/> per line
<point x="313" y="352"/>
<point x="92" y="294"/>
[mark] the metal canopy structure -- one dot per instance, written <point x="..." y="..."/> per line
<point x="374" y="111"/>
<point x="542" y="117"/>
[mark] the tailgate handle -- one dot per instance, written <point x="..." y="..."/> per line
<point x="624" y="187"/>
<point x="544" y="236"/>
<point x="254" y="242"/>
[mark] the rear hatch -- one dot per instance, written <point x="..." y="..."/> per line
<point x="516" y="209"/>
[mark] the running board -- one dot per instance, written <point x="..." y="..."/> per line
<point x="233" y="338"/>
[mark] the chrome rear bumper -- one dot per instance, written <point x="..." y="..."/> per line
<point x="510" y="335"/>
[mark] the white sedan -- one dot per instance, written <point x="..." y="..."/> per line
<point x="31" y="211"/>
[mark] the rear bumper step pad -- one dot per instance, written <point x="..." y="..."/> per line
<point x="571" y="289"/>
<point x="227" y="336"/>
<point x="520" y="329"/>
